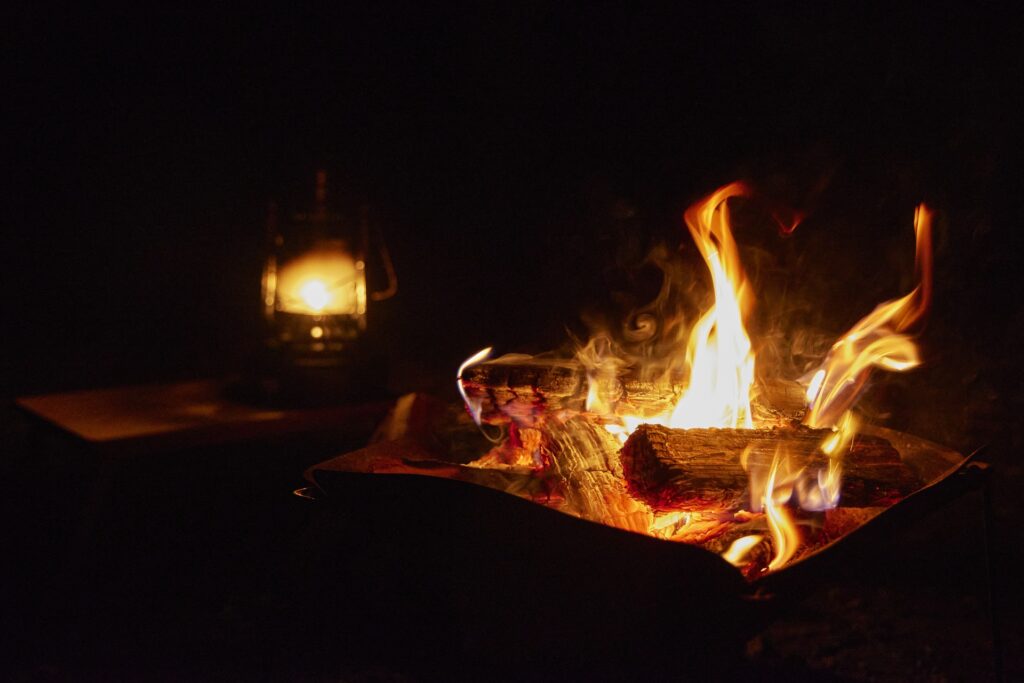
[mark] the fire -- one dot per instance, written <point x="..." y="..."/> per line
<point x="740" y="548"/>
<point x="702" y="376"/>
<point x="877" y="340"/>
<point x="719" y="350"/>
<point x="785" y="535"/>
<point x="315" y="295"/>
<point x="718" y="354"/>
<point x="327" y="281"/>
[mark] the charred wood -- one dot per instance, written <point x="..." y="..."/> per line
<point x="521" y="389"/>
<point x="699" y="469"/>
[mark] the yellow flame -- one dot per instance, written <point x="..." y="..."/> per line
<point x="785" y="536"/>
<point x="838" y="442"/>
<point x="602" y="367"/>
<point x="473" y="406"/>
<point x="315" y="295"/>
<point x="718" y="354"/>
<point x="326" y="281"/>
<point x="740" y="548"/>
<point x="815" y="385"/>
<point x="822" y="492"/>
<point x="877" y="340"/>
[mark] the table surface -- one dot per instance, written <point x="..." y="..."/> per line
<point x="184" y="413"/>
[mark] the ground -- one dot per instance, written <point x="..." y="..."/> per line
<point x="192" y="574"/>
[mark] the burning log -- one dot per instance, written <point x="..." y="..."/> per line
<point x="516" y="388"/>
<point x="519" y="389"/>
<point x="700" y="469"/>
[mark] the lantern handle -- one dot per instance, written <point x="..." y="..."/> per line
<point x="385" y="259"/>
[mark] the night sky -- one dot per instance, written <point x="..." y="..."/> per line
<point x="496" y="147"/>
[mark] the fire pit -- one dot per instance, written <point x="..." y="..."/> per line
<point x="451" y="568"/>
<point x="667" y="479"/>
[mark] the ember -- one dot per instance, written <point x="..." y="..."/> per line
<point x="760" y="471"/>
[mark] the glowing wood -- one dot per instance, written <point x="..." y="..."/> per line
<point x="522" y="388"/>
<point x="700" y="469"/>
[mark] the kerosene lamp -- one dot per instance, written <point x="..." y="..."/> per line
<point x="315" y="299"/>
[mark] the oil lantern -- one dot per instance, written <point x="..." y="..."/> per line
<point x="315" y="296"/>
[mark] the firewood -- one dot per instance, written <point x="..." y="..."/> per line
<point x="699" y="469"/>
<point x="522" y="389"/>
<point x="517" y="388"/>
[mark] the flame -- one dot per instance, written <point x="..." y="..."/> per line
<point x="877" y="340"/>
<point x="718" y="356"/>
<point x="785" y="536"/>
<point x="315" y="295"/>
<point x="602" y="367"/>
<point x="326" y="281"/>
<point x="815" y="385"/>
<point x="839" y="441"/>
<point x="702" y="375"/>
<point x="719" y="350"/>
<point x="740" y="548"/>
<point x="823" y="491"/>
<point x="472" y="405"/>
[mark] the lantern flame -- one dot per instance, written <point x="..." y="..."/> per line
<point x="315" y="295"/>
<point x="326" y="281"/>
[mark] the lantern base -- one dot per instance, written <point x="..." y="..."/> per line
<point x="287" y="376"/>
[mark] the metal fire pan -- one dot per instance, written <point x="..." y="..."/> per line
<point x="504" y="580"/>
<point x="947" y="476"/>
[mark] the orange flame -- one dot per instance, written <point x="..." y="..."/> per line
<point x="326" y="281"/>
<point x="821" y="492"/>
<point x="785" y="535"/>
<point x="740" y="548"/>
<point x="719" y="350"/>
<point x="877" y="340"/>
<point x="718" y="355"/>
<point x="715" y="360"/>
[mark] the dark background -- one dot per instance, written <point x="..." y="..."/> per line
<point x="498" y="147"/>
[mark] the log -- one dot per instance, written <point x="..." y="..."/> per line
<point x="522" y="389"/>
<point x="700" y="469"/>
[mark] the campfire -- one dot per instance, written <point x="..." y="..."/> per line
<point x="666" y="430"/>
<point x="669" y="427"/>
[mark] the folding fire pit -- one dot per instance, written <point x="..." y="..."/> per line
<point x="641" y="502"/>
<point x="453" y="561"/>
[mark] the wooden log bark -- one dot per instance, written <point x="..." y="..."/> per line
<point x="699" y="469"/>
<point x="522" y="389"/>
